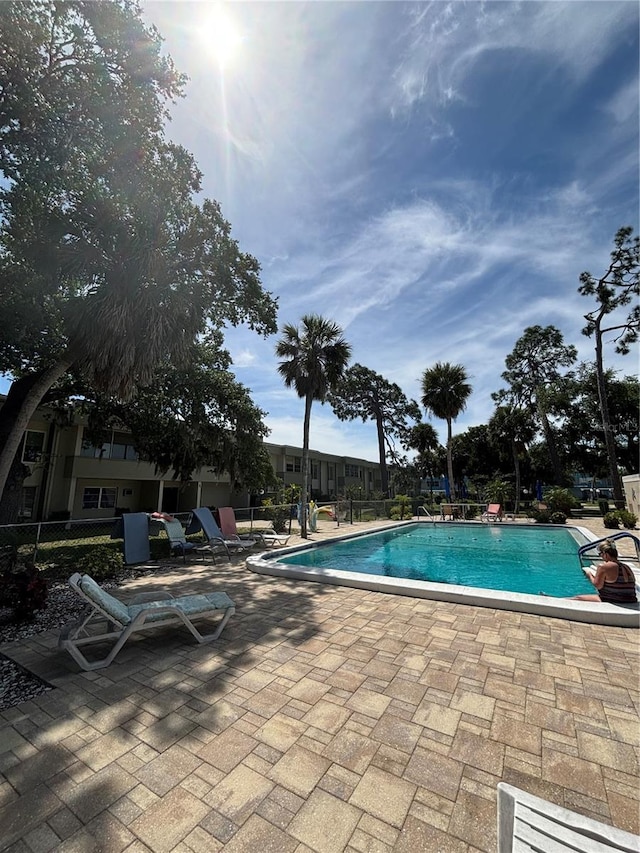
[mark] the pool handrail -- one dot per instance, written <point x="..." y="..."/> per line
<point x="426" y="512"/>
<point x="583" y="550"/>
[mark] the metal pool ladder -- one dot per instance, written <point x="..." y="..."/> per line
<point x="428" y="515"/>
<point x="586" y="557"/>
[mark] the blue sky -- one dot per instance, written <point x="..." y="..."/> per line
<point x="434" y="176"/>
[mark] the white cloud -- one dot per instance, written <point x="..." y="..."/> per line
<point x="447" y="40"/>
<point x="623" y="106"/>
<point x="244" y="358"/>
<point x="327" y="434"/>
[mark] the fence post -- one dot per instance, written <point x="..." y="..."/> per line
<point x="35" y="547"/>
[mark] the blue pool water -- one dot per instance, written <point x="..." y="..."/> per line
<point x="502" y="557"/>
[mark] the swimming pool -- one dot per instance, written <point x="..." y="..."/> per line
<point x="488" y="556"/>
<point x="506" y="566"/>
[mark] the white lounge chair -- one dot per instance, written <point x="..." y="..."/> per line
<point x="529" y="824"/>
<point x="147" y="610"/>
<point x="263" y="537"/>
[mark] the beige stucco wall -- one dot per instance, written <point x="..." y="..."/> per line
<point x="215" y="494"/>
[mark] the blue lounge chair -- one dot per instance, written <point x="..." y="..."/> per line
<point x="202" y="519"/>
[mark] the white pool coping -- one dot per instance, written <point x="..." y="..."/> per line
<point x="597" y="613"/>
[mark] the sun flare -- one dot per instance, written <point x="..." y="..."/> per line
<point x="221" y="35"/>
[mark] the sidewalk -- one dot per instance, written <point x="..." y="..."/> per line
<point x="325" y="719"/>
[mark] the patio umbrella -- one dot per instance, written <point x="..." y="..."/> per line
<point x="447" y="488"/>
<point x="538" y="490"/>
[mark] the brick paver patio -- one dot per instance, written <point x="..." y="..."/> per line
<point x="325" y="719"/>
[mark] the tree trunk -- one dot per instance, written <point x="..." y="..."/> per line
<point x="452" y="487"/>
<point x="384" y="474"/>
<point x="609" y="439"/>
<point x="305" y="467"/>
<point x="550" y="441"/>
<point x="516" y="465"/>
<point x="24" y="396"/>
<point x="12" y="494"/>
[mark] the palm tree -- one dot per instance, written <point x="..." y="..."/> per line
<point x="314" y="357"/>
<point x="444" y="394"/>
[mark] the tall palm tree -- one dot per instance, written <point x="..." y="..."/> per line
<point x="444" y="394"/>
<point x="314" y="357"/>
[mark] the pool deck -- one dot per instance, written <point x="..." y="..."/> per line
<point x="324" y="719"/>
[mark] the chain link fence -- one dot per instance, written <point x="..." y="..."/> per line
<point x="59" y="545"/>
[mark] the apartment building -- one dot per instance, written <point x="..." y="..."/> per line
<point x="329" y="475"/>
<point x="72" y="478"/>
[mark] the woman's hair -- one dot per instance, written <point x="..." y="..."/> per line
<point x="607" y="547"/>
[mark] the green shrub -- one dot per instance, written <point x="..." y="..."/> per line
<point x="23" y="589"/>
<point x="277" y="515"/>
<point x="402" y="508"/>
<point x="628" y="519"/>
<point x="101" y="563"/>
<point x="541" y="516"/>
<point x="557" y="518"/>
<point x="611" y="521"/>
<point x="561" y="500"/>
<point x="498" y="491"/>
<point x="603" y="504"/>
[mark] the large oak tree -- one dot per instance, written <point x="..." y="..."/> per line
<point x="109" y="265"/>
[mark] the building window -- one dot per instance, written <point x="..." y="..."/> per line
<point x="99" y="497"/>
<point x="351" y="470"/>
<point x="315" y="471"/>
<point x="294" y="463"/>
<point x="119" y="447"/>
<point x="122" y="448"/>
<point x="33" y="446"/>
<point x="92" y="451"/>
<point x="27" y="501"/>
<point x="331" y="471"/>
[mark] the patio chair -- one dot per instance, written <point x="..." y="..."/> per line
<point x="448" y="510"/>
<point x="527" y="823"/>
<point x="202" y="519"/>
<point x="147" y="610"/>
<point x="492" y="513"/>
<point x="179" y="542"/>
<point x="265" y="537"/>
